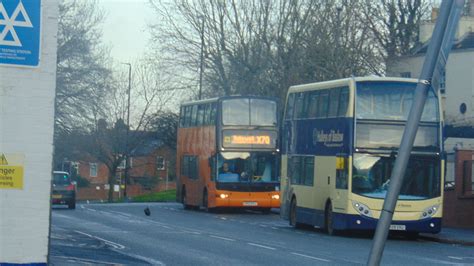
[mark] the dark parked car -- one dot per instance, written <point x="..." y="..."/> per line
<point x="64" y="190"/>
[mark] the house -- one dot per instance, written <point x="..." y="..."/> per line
<point x="152" y="169"/>
<point x="456" y="84"/>
<point x="457" y="80"/>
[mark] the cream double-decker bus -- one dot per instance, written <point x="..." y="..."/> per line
<point x="340" y="140"/>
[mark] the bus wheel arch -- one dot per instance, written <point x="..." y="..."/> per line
<point x="205" y="201"/>
<point x="292" y="213"/>
<point x="183" y="198"/>
<point x="328" y="218"/>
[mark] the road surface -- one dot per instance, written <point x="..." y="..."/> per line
<point x="123" y="234"/>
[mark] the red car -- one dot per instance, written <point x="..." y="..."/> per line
<point x="64" y="190"/>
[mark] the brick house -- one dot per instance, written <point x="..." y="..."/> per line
<point x="152" y="169"/>
<point x="458" y="209"/>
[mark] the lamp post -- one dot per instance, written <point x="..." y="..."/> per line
<point x="201" y="63"/>
<point x="127" y="164"/>
<point x="338" y="45"/>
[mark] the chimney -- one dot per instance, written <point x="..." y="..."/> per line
<point x="435" y="13"/>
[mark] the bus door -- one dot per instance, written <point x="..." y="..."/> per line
<point x="341" y="182"/>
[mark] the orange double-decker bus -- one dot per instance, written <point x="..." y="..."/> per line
<point x="227" y="153"/>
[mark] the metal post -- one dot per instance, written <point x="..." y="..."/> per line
<point x="409" y="134"/>
<point x="338" y="45"/>
<point x="127" y="162"/>
<point x="201" y="65"/>
<point x="166" y="184"/>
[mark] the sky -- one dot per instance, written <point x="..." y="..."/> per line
<point x="125" y="28"/>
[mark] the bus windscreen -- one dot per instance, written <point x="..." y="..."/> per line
<point x="246" y="167"/>
<point x="391" y="101"/>
<point x="249" y="112"/>
<point x="371" y="176"/>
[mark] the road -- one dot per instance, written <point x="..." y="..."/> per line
<point x="122" y="234"/>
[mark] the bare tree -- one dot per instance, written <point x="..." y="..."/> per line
<point x="151" y="95"/>
<point x="262" y="47"/>
<point x="81" y="65"/>
<point x="81" y="73"/>
<point x="395" y="24"/>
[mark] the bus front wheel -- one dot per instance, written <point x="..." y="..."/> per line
<point x="329" y="220"/>
<point x="205" y="201"/>
<point x="183" y="199"/>
<point x="292" y="217"/>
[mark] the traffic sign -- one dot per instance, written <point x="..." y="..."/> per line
<point x="20" y="32"/>
<point x="11" y="171"/>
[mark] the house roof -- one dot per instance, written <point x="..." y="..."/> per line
<point x="147" y="147"/>
<point x="465" y="42"/>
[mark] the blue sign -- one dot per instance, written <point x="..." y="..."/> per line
<point x="20" y="22"/>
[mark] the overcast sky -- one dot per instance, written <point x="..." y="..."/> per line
<point x="125" y="27"/>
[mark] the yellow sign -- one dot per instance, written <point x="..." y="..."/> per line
<point x="11" y="171"/>
<point x="340" y="163"/>
<point x="237" y="139"/>
<point x="3" y="160"/>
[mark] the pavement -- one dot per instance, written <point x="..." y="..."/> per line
<point x="452" y="236"/>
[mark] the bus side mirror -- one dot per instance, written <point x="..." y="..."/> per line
<point x="444" y="155"/>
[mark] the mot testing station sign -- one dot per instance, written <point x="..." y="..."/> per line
<point x="11" y="171"/>
<point x="20" y="38"/>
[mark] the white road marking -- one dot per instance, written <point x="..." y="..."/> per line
<point x="454" y="258"/>
<point x="223" y="238"/>
<point x="110" y="243"/>
<point x="191" y="232"/>
<point x="149" y="260"/>
<point x="123" y="214"/>
<point x="75" y="260"/>
<point x="261" y="246"/>
<point x="309" y="257"/>
<point x="274" y="227"/>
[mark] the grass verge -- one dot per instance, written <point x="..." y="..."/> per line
<point x="162" y="196"/>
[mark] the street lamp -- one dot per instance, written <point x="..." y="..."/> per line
<point x="201" y="64"/>
<point x="127" y="164"/>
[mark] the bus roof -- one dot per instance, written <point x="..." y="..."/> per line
<point x="211" y="100"/>
<point x="345" y="81"/>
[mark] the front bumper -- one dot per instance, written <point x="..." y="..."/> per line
<point x="247" y="199"/>
<point x="358" y="222"/>
<point x="63" y="197"/>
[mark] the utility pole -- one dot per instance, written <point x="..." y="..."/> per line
<point x="438" y="51"/>
<point x="338" y="37"/>
<point x="166" y="184"/>
<point x="201" y="64"/>
<point x="127" y="159"/>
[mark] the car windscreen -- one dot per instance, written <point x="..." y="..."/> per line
<point x="61" y="179"/>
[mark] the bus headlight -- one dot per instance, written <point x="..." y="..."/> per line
<point x="429" y="212"/>
<point x="223" y="196"/>
<point x="362" y="209"/>
<point x="276" y="197"/>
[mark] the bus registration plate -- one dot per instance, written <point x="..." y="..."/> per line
<point x="398" y="227"/>
<point x="250" y="203"/>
